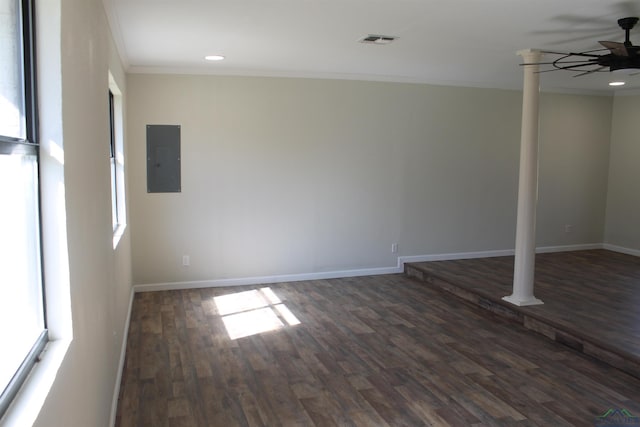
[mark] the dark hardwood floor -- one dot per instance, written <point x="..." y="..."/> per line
<point x="591" y="298"/>
<point x="371" y="351"/>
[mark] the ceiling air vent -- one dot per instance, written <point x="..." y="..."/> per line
<point x="377" y="39"/>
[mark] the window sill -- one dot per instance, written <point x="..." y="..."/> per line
<point x="25" y="408"/>
<point x="117" y="234"/>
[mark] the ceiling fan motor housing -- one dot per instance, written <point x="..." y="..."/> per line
<point x="621" y="56"/>
<point x="616" y="63"/>
<point x="631" y="59"/>
<point x="627" y="23"/>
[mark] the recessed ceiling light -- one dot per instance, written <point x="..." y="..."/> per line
<point x="616" y="84"/>
<point x="377" y="39"/>
<point x="214" y="57"/>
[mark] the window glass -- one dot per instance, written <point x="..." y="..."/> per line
<point x="21" y="309"/>
<point x="12" y="118"/>
<point x="114" y="169"/>
<point x="23" y="331"/>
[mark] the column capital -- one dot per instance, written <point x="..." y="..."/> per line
<point x="529" y="54"/>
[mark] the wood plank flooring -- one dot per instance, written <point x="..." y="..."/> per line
<point x="371" y="351"/>
<point x="591" y="298"/>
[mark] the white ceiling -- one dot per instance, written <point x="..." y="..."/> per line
<point x="453" y="42"/>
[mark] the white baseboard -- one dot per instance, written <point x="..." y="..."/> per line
<point x="621" y="249"/>
<point x="257" y="280"/>
<point x="399" y="268"/>
<point x="568" y="248"/>
<point x="453" y="256"/>
<point x="123" y="352"/>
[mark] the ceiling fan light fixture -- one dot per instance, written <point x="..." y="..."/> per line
<point x="627" y="71"/>
<point x="214" y="57"/>
<point x="616" y="83"/>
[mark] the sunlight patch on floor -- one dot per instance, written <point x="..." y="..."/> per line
<point x="253" y="312"/>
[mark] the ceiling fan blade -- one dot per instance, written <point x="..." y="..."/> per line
<point x="575" y="67"/>
<point x="548" y="71"/>
<point x="586" y="53"/>
<point x="590" y="71"/>
<point x="579" y="61"/>
<point x="616" y="48"/>
<point x="568" y="67"/>
<point x="590" y="51"/>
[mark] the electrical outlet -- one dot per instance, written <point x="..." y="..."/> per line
<point x="568" y="228"/>
<point x="394" y="248"/>
<point x="186" y="261"/>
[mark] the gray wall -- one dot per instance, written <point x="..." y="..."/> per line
<point x="623" y="202"/>
<point x="290" y="176"/>
<point x="574" y="164"/>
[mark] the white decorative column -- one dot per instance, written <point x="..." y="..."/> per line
<point x="525" y="259"/>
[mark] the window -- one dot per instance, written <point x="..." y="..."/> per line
<point x="116" y="159"/>
<point x="112" y="158"/>
<point x="23" y="330"/>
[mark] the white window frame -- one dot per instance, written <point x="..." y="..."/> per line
<point x="116" y="125"/>
<point x="25" y="20"/>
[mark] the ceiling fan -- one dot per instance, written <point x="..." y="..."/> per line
<point x="620" y="56"/>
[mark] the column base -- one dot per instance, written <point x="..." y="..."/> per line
<point x="522" y="301"/>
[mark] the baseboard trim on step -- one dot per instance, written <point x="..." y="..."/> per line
<point x="453" y="256"/>
<point x="621" y="249"/>
<point x="569" y="248"/>
<point x="495" y="253"/>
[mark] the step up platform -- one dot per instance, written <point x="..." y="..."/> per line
<point x="591" y="298"/>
